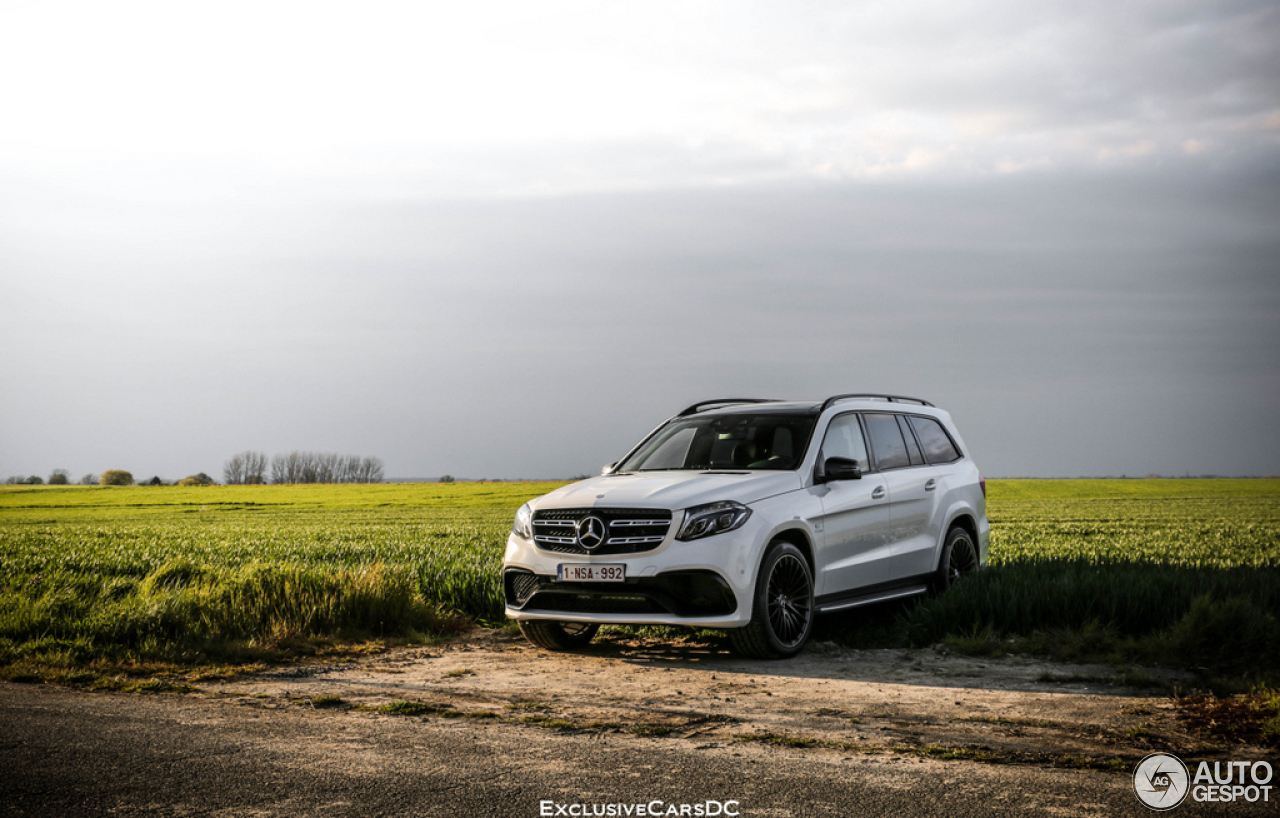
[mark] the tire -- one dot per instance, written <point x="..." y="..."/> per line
<point x="783" y="609"/>
<point x="959" y="559"/>
<point x="558" y="635"/>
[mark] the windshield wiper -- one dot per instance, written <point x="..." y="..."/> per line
<point x="675" y="468"/>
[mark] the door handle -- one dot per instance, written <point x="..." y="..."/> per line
<point x="878" y="494"/>
<point x="931" y="485"/>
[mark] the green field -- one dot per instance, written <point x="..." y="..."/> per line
<point x="120" y="577"/>
<point x="1175" y="572"/>
<point x="143" y="575"/>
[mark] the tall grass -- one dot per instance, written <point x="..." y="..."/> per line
<point x="183" y="607"/>
<point x="1186" y="572"/>
<point x="1131" y="598"/>
<point x="191" y="575"/>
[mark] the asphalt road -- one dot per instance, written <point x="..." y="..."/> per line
<point x="73" y="753"/>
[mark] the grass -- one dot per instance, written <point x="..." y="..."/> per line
<point x="113" y="580"/>
<point x="326" y="701"/>
<point x="1251" y="717"/>
<point x="1183" y="573"/>
<point x="164" y="581"/>
<point x="405" y="708"/>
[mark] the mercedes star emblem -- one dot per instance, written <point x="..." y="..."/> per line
<point x="590" y="532"/>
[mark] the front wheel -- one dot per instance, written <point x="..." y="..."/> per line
<point x="558" y="635"/>
<point x="959" y="559"/>
<point x="782" y="616"/>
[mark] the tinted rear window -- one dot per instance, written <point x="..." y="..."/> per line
<point x="938" y="446"/>
<point x="886" y="441"/>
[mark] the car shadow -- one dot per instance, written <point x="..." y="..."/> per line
<point x="866" y="645"/>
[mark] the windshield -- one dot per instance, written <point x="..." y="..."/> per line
<point x="737" y="441"/>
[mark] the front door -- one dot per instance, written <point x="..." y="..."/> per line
<point x="856" y="527"/>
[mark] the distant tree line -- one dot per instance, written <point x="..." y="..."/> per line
<point x="248" y="468"/>
<point x="60" y="477"/>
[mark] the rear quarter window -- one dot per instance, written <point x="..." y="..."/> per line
<point x="937" y="444"/>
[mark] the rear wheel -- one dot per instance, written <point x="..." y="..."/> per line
<point x="782" y="616"/>
<point x="959" y="559"/>
<point x="558" y="635"/>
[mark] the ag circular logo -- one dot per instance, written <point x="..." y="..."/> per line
<point x="1161" y="781"/>
<point x="590" y="532"/>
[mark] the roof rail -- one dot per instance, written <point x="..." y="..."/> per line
<point x="891" y="398"/>
<point x="697" y="407"/>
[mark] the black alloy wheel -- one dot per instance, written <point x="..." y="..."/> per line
<point x="959" y="559"/>
<point x="789" y="597"/>
<point x="782" y="616"/>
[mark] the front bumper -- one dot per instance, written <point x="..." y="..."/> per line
<point x="703" y="583"/>
<point x="684" y="594"/>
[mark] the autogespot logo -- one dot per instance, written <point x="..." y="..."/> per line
<point x="1161" y="781"/>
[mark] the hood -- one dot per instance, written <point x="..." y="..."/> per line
<point x="670" y="489"/>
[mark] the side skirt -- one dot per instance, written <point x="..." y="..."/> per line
<point x="883" y="592"/>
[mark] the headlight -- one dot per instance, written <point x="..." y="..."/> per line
<point x="713" y="518"/>
<point x="524" y="522"/>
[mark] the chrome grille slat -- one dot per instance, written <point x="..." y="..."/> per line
<point x="546" y="538"/>
<point x="634" y="530"/>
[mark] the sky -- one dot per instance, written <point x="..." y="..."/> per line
<point x="505" y="240"/>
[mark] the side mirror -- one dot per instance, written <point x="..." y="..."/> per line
<point x="841" y="468"/>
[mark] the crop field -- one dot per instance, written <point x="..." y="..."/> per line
<point x="128" y="576"/>
<point x="1177" y="572"/>
<point x="189" y="575"/>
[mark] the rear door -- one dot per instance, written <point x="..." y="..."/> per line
<point x="913" y="496"/>
<point x="950" y="472"/>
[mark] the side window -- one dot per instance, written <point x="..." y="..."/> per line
<point x="887" y="442"/>
<point x="913" y="448"/>
<point x="938" y="446"/>
<point x="844" y="439"/>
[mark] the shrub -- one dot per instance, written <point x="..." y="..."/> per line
<point x="115" y="477"/>
<point x="59" y="477"/>
<point x="200" y="479"/>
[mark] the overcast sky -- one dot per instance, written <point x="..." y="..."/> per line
<point x="507" y="239"/>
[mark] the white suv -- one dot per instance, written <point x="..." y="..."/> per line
<point x="753" y="516"/>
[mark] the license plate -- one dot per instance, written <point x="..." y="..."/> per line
<point x="591" y="573"/>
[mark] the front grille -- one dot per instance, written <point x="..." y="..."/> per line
<point x="627" y="530"/>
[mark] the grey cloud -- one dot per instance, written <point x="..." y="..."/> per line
<point x="538" y="337"/>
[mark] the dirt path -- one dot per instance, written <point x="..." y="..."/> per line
<point x="491" y="726"/>
<point x="924" y="702"/>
